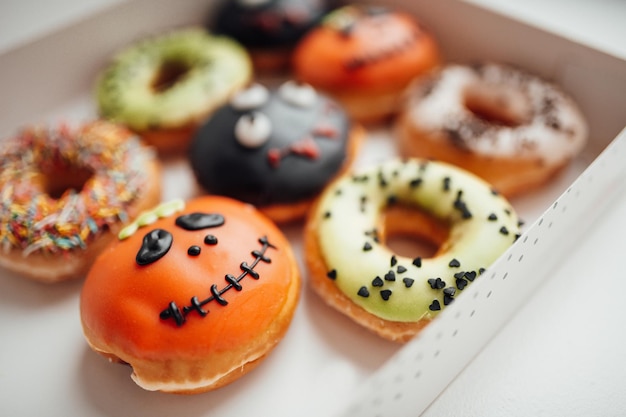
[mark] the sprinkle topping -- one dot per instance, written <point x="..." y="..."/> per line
<point x="32" y="220"/>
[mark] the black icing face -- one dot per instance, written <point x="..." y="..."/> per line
<point x="157" y="243"/>
<point x="269" y="147"/>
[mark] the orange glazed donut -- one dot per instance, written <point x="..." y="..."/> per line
<point x="195" y="298"/>
<point x="510" y="127"/>
<point x="65" y="194"/>
<point x="365" y="57"/>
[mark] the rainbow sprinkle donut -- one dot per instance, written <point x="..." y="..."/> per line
<point x="63" y="191"/>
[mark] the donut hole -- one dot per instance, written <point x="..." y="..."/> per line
<point x="410" y="232"/>
<point x="59" y="180"/>
<point x="169" y="73"/>
<point x="498" y="105"/>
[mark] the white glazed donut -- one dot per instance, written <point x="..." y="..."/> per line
<point x="354" y="270"/>
<point x="510" y="127"/>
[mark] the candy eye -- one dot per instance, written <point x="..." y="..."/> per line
<point x="298" y="94"/>
<point x="250" y="98"/>
<point x="253" y="129"/>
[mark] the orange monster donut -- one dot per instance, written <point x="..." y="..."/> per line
<point x="365" y="57"/>
<point x="194" y="300"/>
<point x="66" y="193"/>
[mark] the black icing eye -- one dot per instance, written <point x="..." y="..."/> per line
<point x="154" y="246"/>
<point x="298" y="94"/>
<point x="253" y="129"/>
<point x="250" y="98"/>
<point x="198" y="221"/>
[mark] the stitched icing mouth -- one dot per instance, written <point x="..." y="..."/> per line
<point x="180" y="315"/>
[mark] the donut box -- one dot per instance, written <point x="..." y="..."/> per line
<point x="541" y="327"/>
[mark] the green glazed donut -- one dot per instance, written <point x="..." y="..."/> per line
<point x="395" y="295"/>
<point x="171" y="82"/>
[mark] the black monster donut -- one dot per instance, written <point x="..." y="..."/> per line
<point x="276" y="150"/>
<point x="268" y="28"/>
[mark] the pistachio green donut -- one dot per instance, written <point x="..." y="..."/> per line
<point x="482" y="225"/>
<point x="171" y="80"/>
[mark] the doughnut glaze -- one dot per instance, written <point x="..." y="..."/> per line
<point x="396" y="295"/>
<point x="193" y="295"/>
<point x="273" y="147"/>
<point x="509" y="126"/>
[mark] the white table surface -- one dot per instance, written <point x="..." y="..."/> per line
<point x="552" y="359"/>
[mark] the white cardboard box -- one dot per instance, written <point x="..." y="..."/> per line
<point x="326" y="364"/>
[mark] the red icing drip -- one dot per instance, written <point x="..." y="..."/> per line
<point x="274" y="156"/>
<point x="306" y="147"/>
<point x="326" y="131"/>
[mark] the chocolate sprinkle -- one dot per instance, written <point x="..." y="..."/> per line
<point x="363" y="292"/>
<point x="363" y="202"/>
<point x="417" y="262"/>
<point x="504" y="230"/>
<point x="436" y="283"/>
<point x="400" y="269"/>
<point x="332" y="274"/>
<point x="394" y="260"/>
<point x="492" y="217"/>
<point x="461" y="283"/>
<point x="385" y="294"/>
<point x="415" y="183"/>
<point x="367" y="247"/>
<point x="382" y="182"/>
<point x="450" y="291"/>
<point x="454" y="263"/>
<point x="461" y="206"/>
<point x="446" y="184"/>
<point x="361" y="178"/>
<point x="408" y="282"/>
<point x="435" y="306"/>
<point x="390" y="276"/>
<point x="377" y="282"/>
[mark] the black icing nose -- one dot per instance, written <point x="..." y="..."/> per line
<point x="154" y="246"/>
